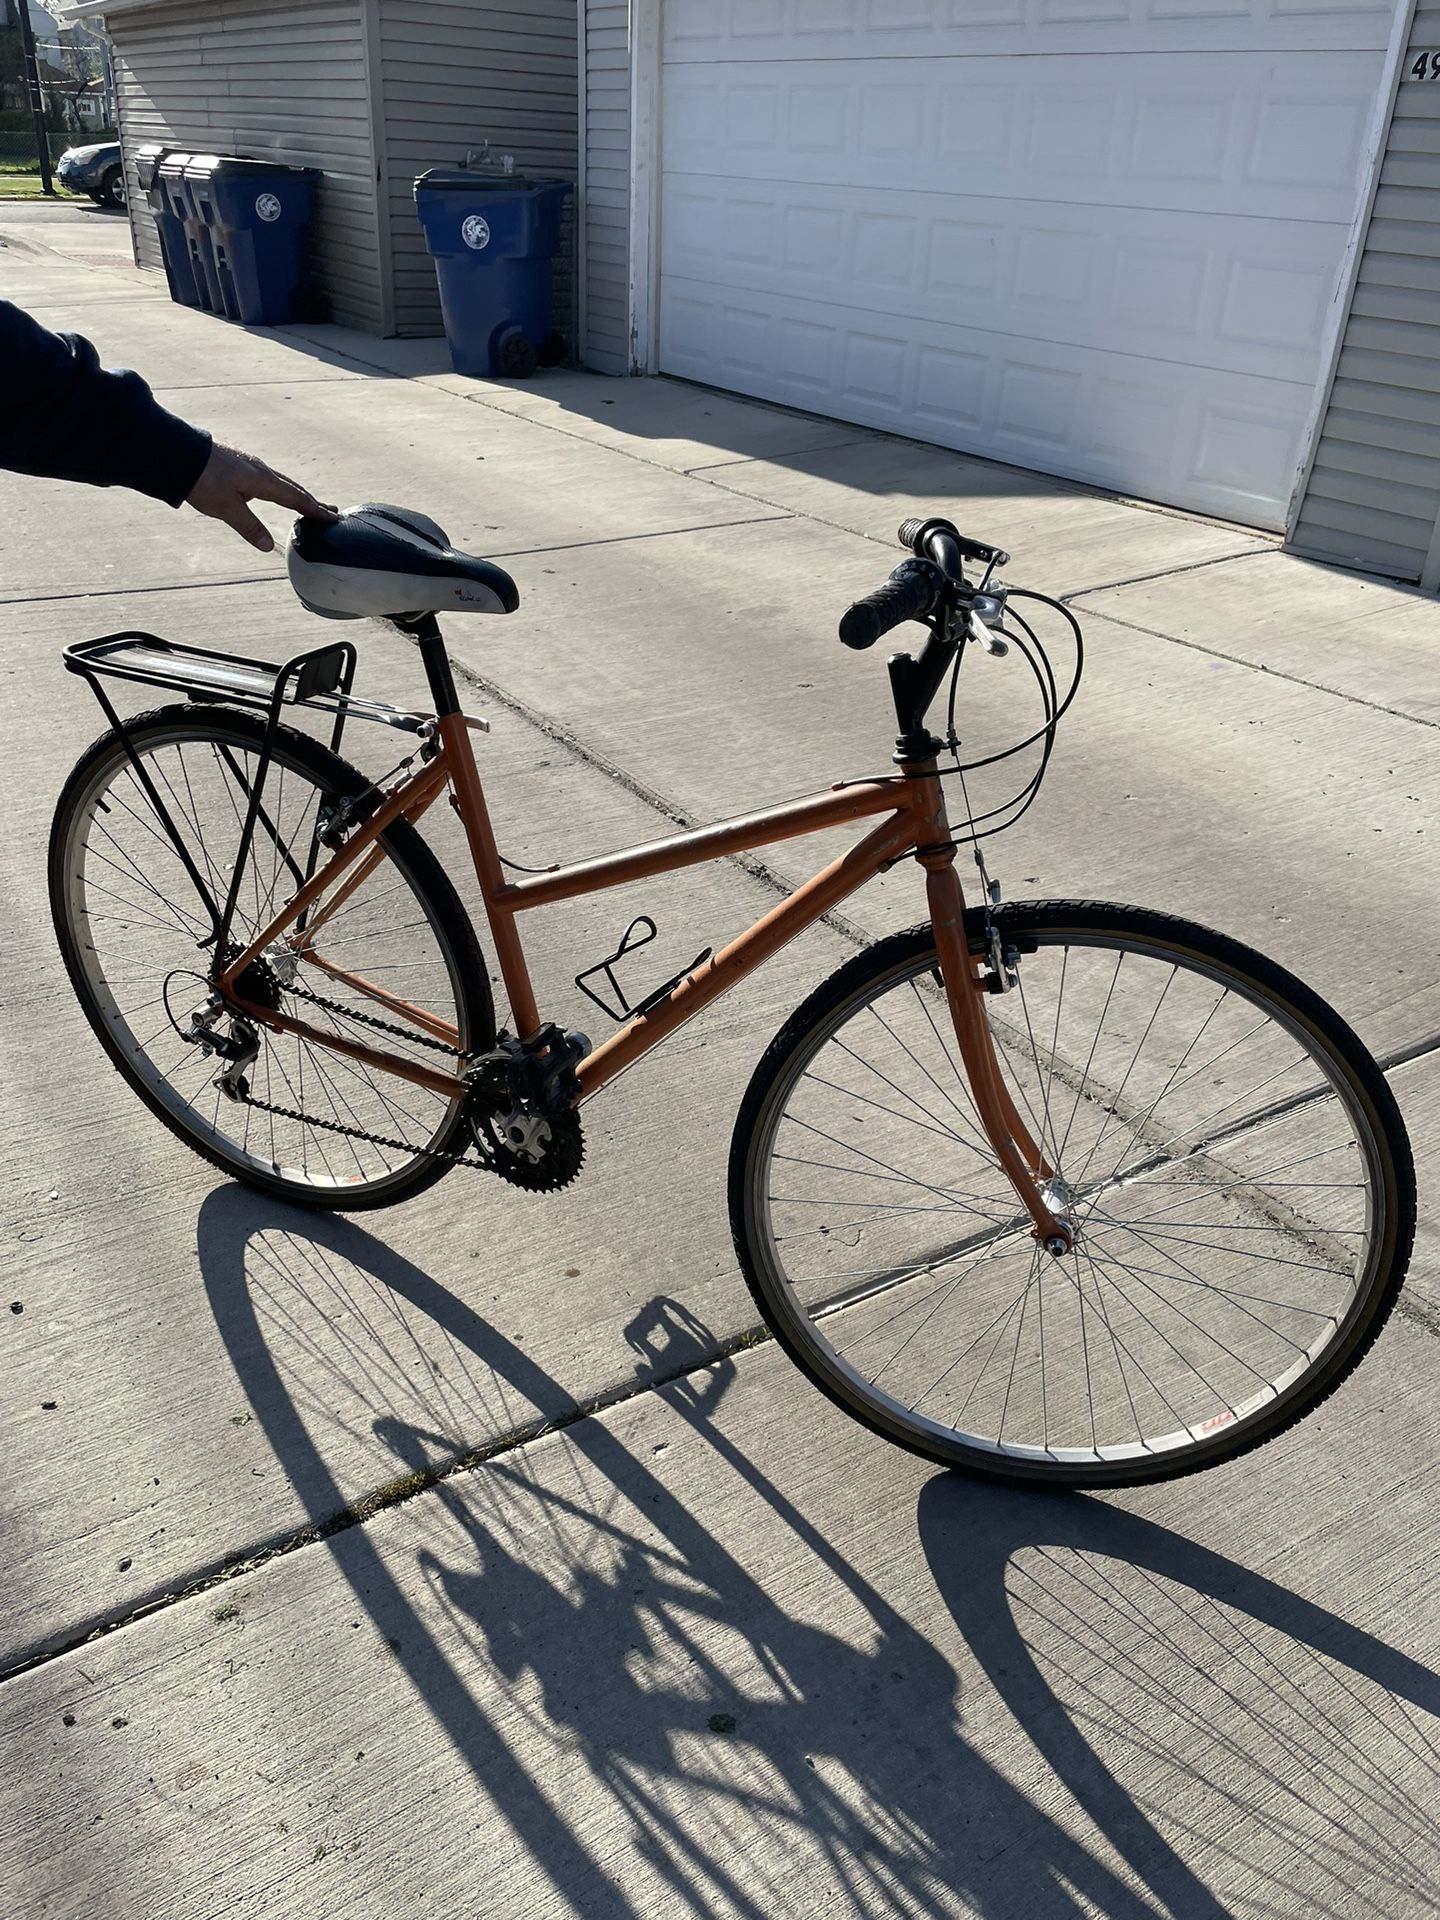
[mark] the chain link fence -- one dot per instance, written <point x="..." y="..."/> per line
<point x="19" y="149"/>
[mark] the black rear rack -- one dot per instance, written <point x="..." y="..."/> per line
<point x="319" y="679"/>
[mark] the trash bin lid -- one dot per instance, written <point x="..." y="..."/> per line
<point x="236" y="166"/>
<point x="480" y="180"/>
<point x="148" y="161"/>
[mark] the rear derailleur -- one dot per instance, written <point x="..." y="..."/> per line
<point x="227" y="1036"/>
<point x="520" y="1109"/>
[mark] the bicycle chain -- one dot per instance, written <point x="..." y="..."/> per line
<point x="372" y="1020"/>
<point x="360" y="1133"/>
<point x="479" y="1164"/>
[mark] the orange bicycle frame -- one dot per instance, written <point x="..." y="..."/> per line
<point x="913" y="822"/>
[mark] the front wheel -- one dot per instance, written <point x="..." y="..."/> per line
<point x="1230" y="1157"/>
<point x="112" y="189"/>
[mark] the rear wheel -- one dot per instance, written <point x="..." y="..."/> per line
<point x="1230" y="1157"/>
<point x="132" y="930"/>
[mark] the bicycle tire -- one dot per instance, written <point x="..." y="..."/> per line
<point x="334" y="780"/>
<point x="1350" y="1085"/>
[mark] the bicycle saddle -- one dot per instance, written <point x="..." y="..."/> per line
<point x="390" y="563"/>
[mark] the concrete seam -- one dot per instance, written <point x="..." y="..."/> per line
<point x="1274" y="673"/>
<point x="622" y="539"/>
<point x="383" y="1499"/>
<point x="788" y="453"/>
<point x="343" y="378"/>
<point x="1163" y="573"/>
<point x="119" y="593"/>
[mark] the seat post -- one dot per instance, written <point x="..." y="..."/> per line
<point x="426" y="629"/>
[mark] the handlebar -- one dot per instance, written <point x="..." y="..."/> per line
<point x="910" y="593"/>
<point x="916" y="587"/>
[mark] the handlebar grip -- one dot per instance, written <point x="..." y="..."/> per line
<point x="909" y="594"/>
<point x="917" y="535"/>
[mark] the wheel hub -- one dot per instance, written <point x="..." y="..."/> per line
<point x="1059" y="1197"/>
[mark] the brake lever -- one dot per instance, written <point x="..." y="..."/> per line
<point x="982" y="608"/>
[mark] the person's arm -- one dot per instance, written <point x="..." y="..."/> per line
<point x="64" y="417"/>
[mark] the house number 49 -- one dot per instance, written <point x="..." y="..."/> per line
<point x="1425" y="65"/>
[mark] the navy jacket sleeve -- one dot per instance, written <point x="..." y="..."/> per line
<point x="62" y="416"/>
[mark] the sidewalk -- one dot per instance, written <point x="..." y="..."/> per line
<point x="710" y="1649"/>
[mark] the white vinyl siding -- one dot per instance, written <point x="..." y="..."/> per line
<point x="1097" y="239"/>
<point x="1372" y="499"/>
<point x="276" y="82"/>
<point x="452" y="76"/>
<point x="605" y="327"/>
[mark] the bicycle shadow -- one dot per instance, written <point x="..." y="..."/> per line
<point x="1187" y="1701"/>
<point x="741" y="1745"/>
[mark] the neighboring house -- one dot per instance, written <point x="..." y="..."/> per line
<point x="1185" y="249"/>
<point x="44" y="27"/>
<point x="70" y="64"/>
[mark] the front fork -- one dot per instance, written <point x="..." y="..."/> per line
<point x="963" y="974"/>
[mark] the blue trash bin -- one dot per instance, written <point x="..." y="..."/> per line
<point x="179" y="204"/>
<point x="158" y="188"/>
<point x="252" y="215"/>
<point x="493" y="239"/>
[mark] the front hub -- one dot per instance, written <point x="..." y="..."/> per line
<point x="1060" y="1199"/>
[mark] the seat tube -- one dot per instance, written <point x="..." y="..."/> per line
<point x="469" y="799"/>
<point x="963" y="977"/>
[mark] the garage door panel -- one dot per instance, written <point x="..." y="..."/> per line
<point x="1217" y="293"/>
<point x="698" y="30"/>
<point x="1223" y="442"/>
<point x="1277" y="138"/>
<point x="931" y="216"/>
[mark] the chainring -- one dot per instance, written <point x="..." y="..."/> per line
<point x="559" y="1164"/>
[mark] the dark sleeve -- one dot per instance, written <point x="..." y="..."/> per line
<point x="62" y="416"/>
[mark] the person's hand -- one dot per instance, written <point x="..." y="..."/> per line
<point x="231" y="478"/>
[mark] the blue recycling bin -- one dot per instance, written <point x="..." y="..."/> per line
<point x="165" y="196"/>
<point x="248" y="221"/>
<point x="197" y="262"/>
<point x="493" y="238"/>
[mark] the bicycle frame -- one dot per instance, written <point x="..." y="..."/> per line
<point x="914" y="822"/>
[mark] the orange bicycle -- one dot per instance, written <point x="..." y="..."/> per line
<point x="1055" y="1191"/>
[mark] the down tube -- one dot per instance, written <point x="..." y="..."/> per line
<point x="747" y="951"/>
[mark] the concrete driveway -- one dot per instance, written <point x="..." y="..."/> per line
<point x="466" y="1558"/>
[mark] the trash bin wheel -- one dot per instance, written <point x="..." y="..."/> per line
<point x="515" y="356"/>
<point x="551" y="350"/>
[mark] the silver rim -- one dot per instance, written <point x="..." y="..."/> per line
<point x="136" y="927"/>
<point x="1222" y="1176"/>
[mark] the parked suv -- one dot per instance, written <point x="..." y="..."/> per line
<point x="96" y="170"/>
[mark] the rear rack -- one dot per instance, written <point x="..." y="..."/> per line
<point x="320" y="680"/>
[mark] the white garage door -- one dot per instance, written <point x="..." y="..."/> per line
<point x="1097" y="237"/>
